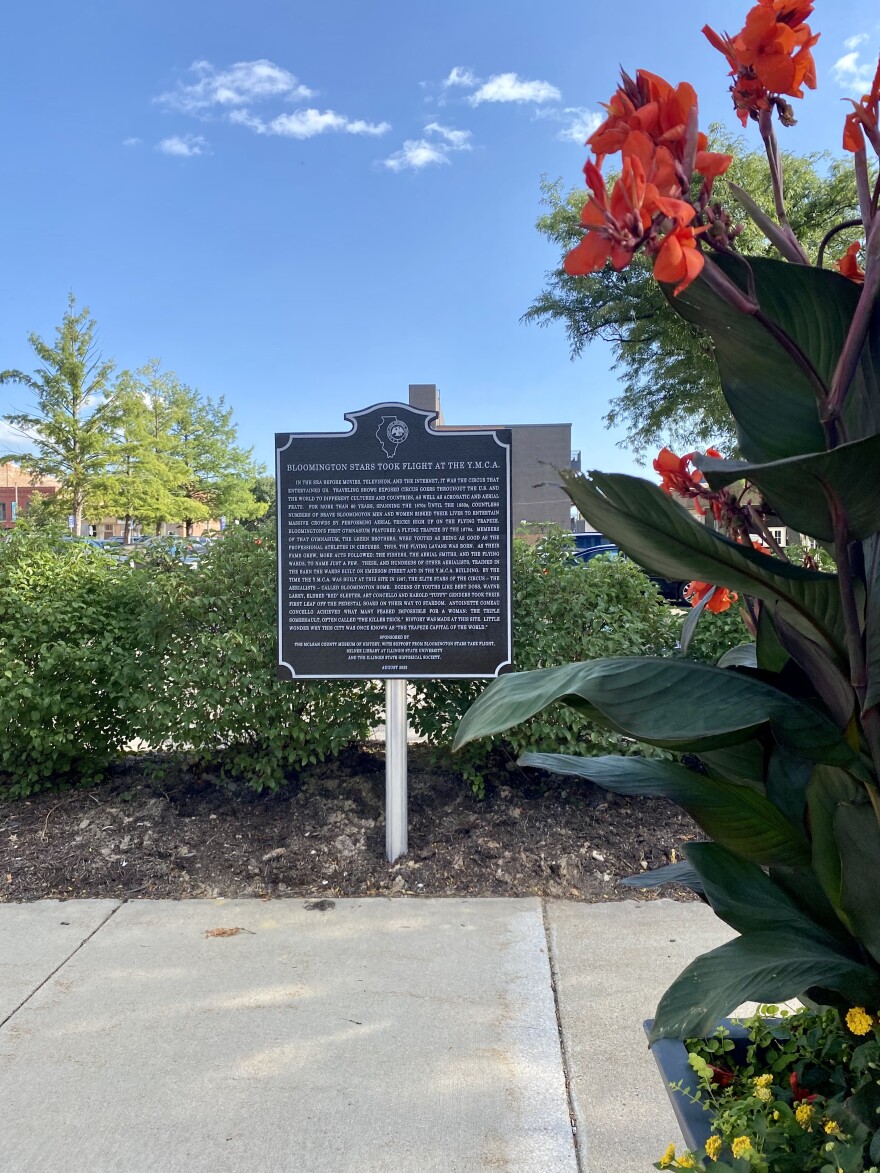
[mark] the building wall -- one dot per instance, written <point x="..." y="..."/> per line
<point x="16" y="491"/>
<point x="14" y="501"/>
<point x="537" y="451"/>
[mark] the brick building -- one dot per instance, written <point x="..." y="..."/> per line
<point x="16" y="491"/>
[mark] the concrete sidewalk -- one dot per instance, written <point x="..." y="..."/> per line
<point x="355" y="1036"/>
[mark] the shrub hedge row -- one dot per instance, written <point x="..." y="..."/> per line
<point x="96" y="658"/>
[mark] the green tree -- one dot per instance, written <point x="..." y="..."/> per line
<point x="160" y="397"/>
<point x="68" y="429"/>
<point x="139" y="480"/>
<point x="215" y="476"/>
<point x="671" y="392"/>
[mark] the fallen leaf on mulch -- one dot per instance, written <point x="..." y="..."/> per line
<point x="227" y="932"/>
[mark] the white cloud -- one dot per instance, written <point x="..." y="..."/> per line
<point x="12" y="440"/>
<point x="371" y="128"/>
<point x="460" y="75"/>
<point x="183" y="146"/>
<point x="302" y="124"/>
<point x="422" y="152"/>
<point x="508" y="87"/>
<point x="416" y="154"/>
<point x="131" y="142"/>
<point x="456" y="139"/>
<point x="239" y="85"/>
<point x="850" y="72"/>
<point x="854" y="42"/>
<point x="581" y="124"/>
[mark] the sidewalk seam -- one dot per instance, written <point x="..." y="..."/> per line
<point x="61" y="965"/>
<point x="578" y="1140"/>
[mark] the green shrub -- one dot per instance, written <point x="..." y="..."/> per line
<point x="68" y="661"/>
<point x="814" y="557"/>
<point x="620" y="613"/>
<point x="94" y="656"/>
<point x="716" y="634"/>
<point x="209" y="685"/>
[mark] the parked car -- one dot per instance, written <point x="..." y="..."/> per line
<point x="671" y="589"/>
<point x="159" y="550"/>
<point x="590" y="541"/>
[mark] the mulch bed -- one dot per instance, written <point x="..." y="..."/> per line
<point x="181" y="835"/>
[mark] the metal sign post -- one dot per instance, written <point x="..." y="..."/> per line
<point x="395" y="769"/>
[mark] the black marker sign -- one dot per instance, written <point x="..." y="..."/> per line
<point x="393" y="549"/>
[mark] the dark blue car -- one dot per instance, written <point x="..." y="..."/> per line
<point x="671" y="589"/>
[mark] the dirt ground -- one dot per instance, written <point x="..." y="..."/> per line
<point x="183" y="836"/>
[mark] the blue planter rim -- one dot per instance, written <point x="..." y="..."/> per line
<point x="670" y="1055"/>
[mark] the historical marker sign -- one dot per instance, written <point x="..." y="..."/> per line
<point x="393" y="549"/>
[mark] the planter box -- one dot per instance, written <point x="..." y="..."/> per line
<point x="671" y="1057"/>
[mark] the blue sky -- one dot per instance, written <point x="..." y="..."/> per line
<point x="306" y="207"/>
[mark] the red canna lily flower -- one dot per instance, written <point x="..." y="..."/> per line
<point x="677" y="475"/>
<point x="778" y="50"/>
<point x="863" y="118"/>
<point x="769" y="57"/>
<point x="680" y="479"/>
<point x="853" y="139"/>
<point x="653" y="125"/>
<point x="711" y="164"/>
<point x="722" y="599"/>
<point x="679" y="260"/>
<point x="635" y="214"/>
<point x="648" y="118"/>
<point x="616" y="226"/>
<point x="849" y="263"/>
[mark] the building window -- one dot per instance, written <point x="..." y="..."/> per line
<point x="3" y="516"/>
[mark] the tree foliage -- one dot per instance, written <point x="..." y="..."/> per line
<point x="144" y="447"/>
<point x="214" y="477"/>
<point x="671" y="391"/>
<point x="67" y="429"/>
<point x="139" y="482"/>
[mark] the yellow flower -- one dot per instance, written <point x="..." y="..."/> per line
<point x="763" y="1094"/>
<point x="713" y="1147"/>
<point x="685" y="1161"/>
<point x="775" y="1115"/>
<point x="859" y="1020"/>
<point x="667" y="1158"/>
<point x="832" y="1128"/>
<point x="763" y="1080"/>
<point x="741" y="1146"/>
<point x="803" y="1113"/>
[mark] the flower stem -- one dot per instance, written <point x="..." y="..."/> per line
<point x="863" y="187"/>
<point x="759" y="524"/>
<point x="765" y="125"/>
